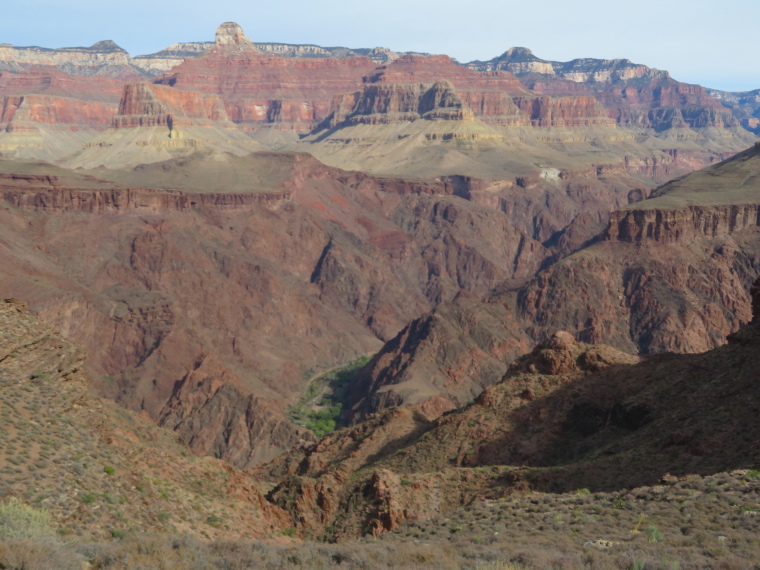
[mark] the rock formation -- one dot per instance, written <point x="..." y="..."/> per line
<point x="260" y="89"/>
<point x="745" y="106"/>
<point x="156" y="123"/>
<point x="45" y="113"/>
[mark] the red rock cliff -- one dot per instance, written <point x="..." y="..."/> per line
<point x="144" y="104"/>
<point x="674" y="226"/>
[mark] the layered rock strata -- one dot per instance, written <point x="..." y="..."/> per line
<point x="634" y="95"/>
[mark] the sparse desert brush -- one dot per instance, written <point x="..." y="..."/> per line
<point x="33" y="555"/>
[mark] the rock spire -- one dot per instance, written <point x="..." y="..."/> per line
<point x="231" y="33"/>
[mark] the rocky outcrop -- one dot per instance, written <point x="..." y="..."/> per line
<point x="566" y="414"/>
<point x="745" y="106"/>
<point x="63" y="199"/>
<point x="146" y="105"/>
<point x="42" y="98"/>
<point x="19" y="112"/>
<point x="664" y="279"/>
<point x="440" y="361"/>
<point x="29" y="347"/>
<point x="160" y="62"/>
<point x="46" y="114"/>
<point x="563" y="111"/>
<point x="522" y="61"/>
<point x="383" y="103"/>
<point x="230" y="33"/>
<point x="681" y="226"/>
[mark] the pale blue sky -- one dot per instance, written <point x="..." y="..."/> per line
<point x="698" y="41"/>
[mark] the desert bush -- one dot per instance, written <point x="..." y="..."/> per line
<point x="22" y="522"/>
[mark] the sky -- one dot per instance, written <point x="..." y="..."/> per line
<point x="697" y="41"/>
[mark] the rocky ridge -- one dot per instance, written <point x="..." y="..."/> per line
<point x="275" y="99"/>
<point x="565" y="415"/>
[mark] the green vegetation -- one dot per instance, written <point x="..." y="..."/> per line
<point x="109" y="470"/>
<point x="653" y="534"/>
<point x="320" y="407"/>
<point x="87" y="498"/>
<point x="22" y="522"/>
<point x="214" y="520"/>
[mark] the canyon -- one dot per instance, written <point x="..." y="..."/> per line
<point x="541" y="267"/>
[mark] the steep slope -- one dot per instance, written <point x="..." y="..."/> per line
<point x="566" y="415"/>
<point x="676" y="268"/>
<point x="98" y="469"/>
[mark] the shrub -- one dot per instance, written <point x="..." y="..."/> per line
<point x="87" y="498"/>
<point x="22" y="522"/>
<point x="653" y="534"/>
<point x="109" y="470"/>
